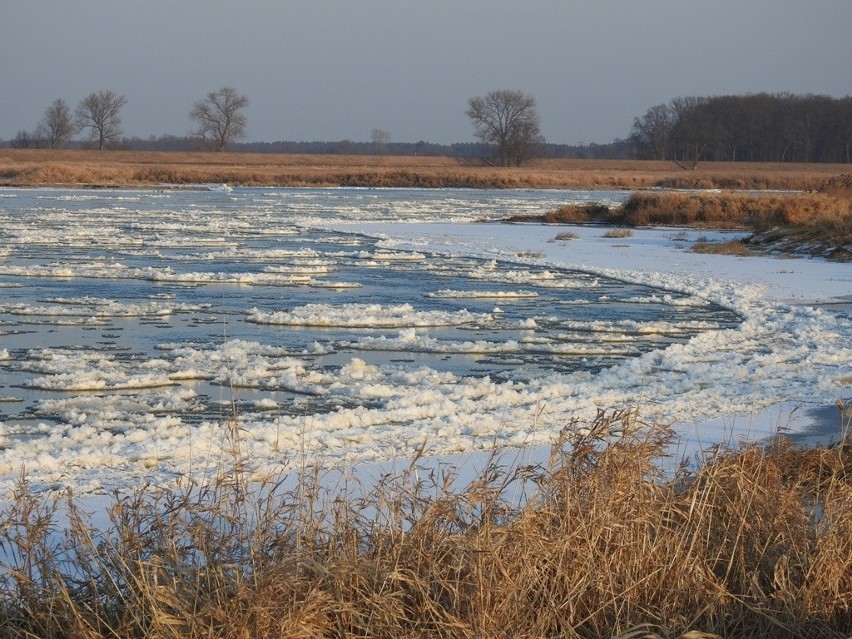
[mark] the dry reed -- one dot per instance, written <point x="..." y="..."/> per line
<point x="25" y="167"/>
<point x="618" y="233"/>
<point x="813" y="223"/>
<point x="730" y="247"/>
<point x="601" y="541"/>
<point x="818" y="223"/>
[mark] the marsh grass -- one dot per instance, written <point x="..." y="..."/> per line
<point x="40" y="167"/>
<point x="565" y="236"/>
<point x="756" y="212"/>
<point x="602" y="540"/>
<point x="817" y="223"/>
<point x="729" y="247"/>
<point x="618" y="233"/>
<point x="812" y="223"/>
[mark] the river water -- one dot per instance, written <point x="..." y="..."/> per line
<point x="134" y="322"/>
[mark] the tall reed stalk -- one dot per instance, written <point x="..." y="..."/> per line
<point x="602" y="540"/>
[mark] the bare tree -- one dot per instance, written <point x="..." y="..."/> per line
<point x="99" y="113"/>
<point x="380" y="139"/>
<point x="507" y="122"/>
<point x="23" y="140"/>
<point x="652" y="132"/>
<point x="56" y="127"/>
<point x="219" y="118"/>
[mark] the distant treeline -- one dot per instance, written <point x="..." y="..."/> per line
<point x="759" y="127"/>
<point x="756" y="128"/>
<point x="620" y="149"/>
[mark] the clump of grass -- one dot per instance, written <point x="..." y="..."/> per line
<point x="531" y="254"/>
<point x="618" y="233"/>
<point x="600" y="541"/>
<point x="729" y="247"/>
<point x="566" y="235"/>
<point x="838" y="184"/>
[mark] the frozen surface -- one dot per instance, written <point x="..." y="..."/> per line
<point x="355" y="325"/>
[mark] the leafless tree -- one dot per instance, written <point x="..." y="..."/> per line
<point x="507" y="122"/>
<point x="380" y="139"/>
<point x="652" y="132"/>
<point x="23" y="140"/>
<point x="98" y="112"/>
<point x="56" y="127"/>
<point x="219" y="117"/>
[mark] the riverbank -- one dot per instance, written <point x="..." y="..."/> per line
<point x="813" y="224"/>
<point x="94" y="169"/>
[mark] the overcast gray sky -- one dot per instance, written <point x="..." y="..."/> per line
<point x="329" y="70"/>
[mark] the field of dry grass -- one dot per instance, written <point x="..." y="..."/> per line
<point x="28" y="167"/>
<point x="601" y="541"/>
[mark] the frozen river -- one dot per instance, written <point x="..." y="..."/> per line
<point x="135" y="324"/>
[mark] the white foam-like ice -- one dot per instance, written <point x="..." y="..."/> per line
<point x="366" y="316"/>
<point x="501" y="295"/>
<point x="409" y="341"/>
<point x="110" y="419"/>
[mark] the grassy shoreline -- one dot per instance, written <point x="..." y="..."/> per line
<point x="34" y="167"/>
<point x="600" y="541"/>
<point x="812" y="223"/>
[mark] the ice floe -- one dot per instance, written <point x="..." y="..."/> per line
<point x="137" y="327"/>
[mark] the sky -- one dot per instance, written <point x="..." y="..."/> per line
<point x="327" y="70"/>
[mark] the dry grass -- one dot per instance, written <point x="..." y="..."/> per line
<point x="733" y="210"/>
<point x="618" y="233"/>
<point x="813" y="223"/>
<point x="31" y="167"/>
<point x="731" y="247"/>
<point x="755" y="542"/>
<point x="566" y="236"/>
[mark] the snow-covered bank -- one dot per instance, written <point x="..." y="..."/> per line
<point x="650" y="255"/>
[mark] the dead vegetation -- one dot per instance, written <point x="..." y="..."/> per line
<point x="601" y="541"/>
<point x="566" y="236"/>
<point x="729" y="247"/>
<point x="35" y="167"/>
<point x="817" y="224"/>
<point x="812" y="223"/>
<point x="618" y="234"/>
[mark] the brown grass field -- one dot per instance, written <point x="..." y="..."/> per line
<point x="26" y="167"/>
